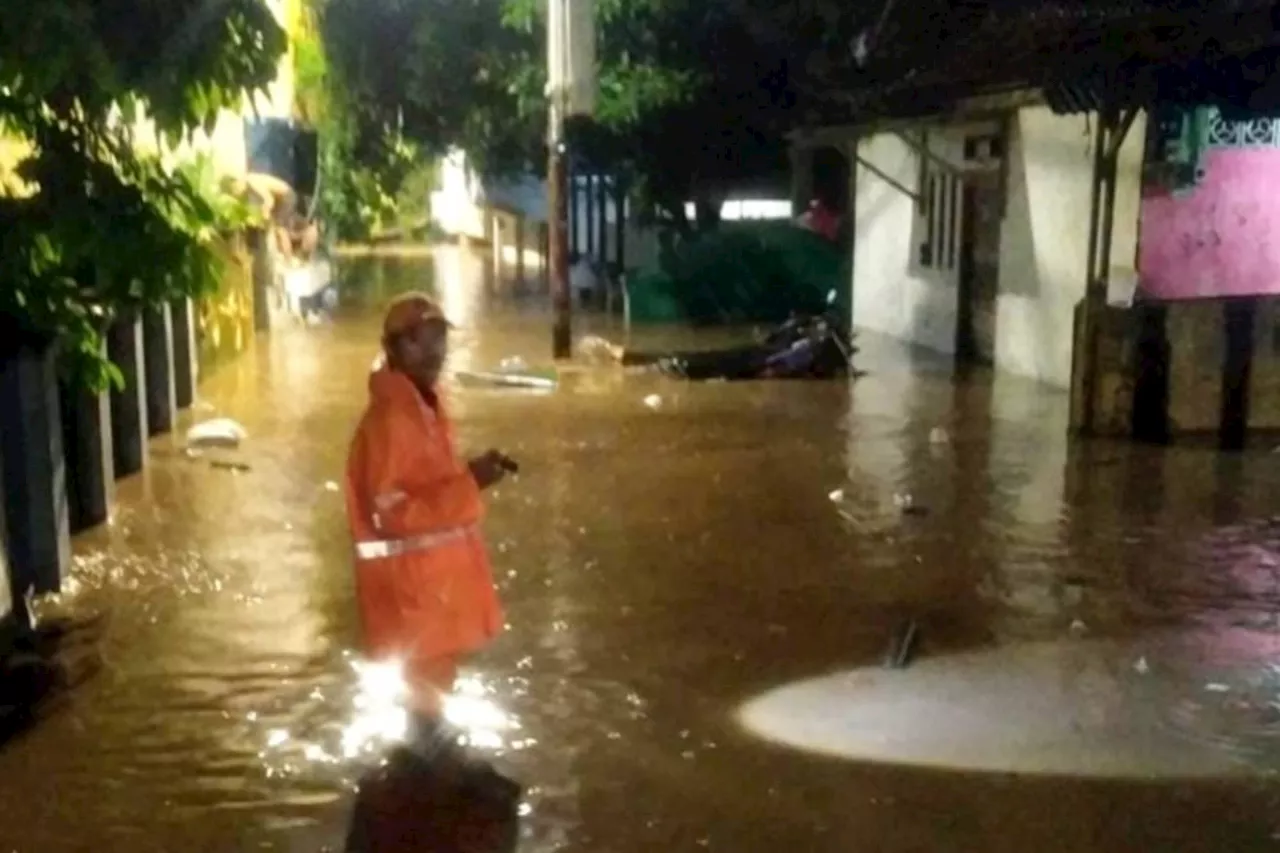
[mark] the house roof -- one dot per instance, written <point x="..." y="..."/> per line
<point x="929" y="54"/>
<point x="525" y="196"/>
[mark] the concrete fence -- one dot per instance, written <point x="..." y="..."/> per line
<point x="1203" y="370"/>
<point x="63" y="448"/>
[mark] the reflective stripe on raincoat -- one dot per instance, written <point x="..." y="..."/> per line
<point x="423" y="579"/>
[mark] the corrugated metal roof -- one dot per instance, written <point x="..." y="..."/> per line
<point x="1084" y="96"/>
<point x="934" y="52"/>
<point x="525" y="195"/>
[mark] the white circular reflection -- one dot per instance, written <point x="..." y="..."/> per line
<point x="1064" y="708"/>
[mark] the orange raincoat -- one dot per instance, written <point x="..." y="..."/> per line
<point x="423" y="579"/>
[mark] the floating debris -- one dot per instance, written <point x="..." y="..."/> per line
<point x="908" y="505"/>
<point x="653" y="401"/>
<point x="332" y="486"/>
<point x="938" y="436"/>
<point x="227" y="465"/>
<point x="507" y="379"/>
<point x="1140" y="666"/>
<point x="515" y="364"/>
<point x="1078" y="627"/>
<point x="219" y="432"/>
<point x="1216" y="687"/>
<point x="598" y="350"/>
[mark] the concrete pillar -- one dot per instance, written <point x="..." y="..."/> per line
<point x="13" y="610"/>
<point x="497" y="251"/>
<point x="602" y="219"/>
<point x="544" y="256"/>
<point x="1151" y="352"/>
<point x="185" y="353"/>
<point x="488" y="267"/>
<point x="1239" y="323"/>
<point x="519" y="241"/>
<point x="575" y="217"/>
<point x="589" y="215"/>
<point x="157" y="337"/>
<point x="86" y="438"/>
<point x="35" y="485"/>
<point x="851" y="228"/>
<point x="801" y="178"/>
<point x="620" y="225"/>
<point x="263" y="277"/>
<point x="129" y="429"/>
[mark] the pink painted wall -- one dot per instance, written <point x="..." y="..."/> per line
<point x="1220" y="239"/>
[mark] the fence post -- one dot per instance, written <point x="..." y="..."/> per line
<point x="35" y="474"/>
<point x="129" y="428"/>
<point x="185" y="367"/>
<point x="157" y="333"/>
<point x="86" y="440"/>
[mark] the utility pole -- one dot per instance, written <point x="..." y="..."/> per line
<point x="571" y="75"/>
<point x="558" y="238"/>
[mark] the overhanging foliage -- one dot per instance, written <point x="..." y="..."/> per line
<point x="102" y="228"/>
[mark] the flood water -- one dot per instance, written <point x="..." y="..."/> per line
<point x="701" y="583"/>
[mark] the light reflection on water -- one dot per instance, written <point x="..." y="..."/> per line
<point x="1071" y="707"/>
<point x="345" y="743"/>
<point x="483" y="725"/>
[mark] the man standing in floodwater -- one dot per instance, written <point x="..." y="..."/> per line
<point x="423" y="579"/>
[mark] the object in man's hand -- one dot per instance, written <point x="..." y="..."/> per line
<point x="509" y="465"/>
<point x="488" y="468"/>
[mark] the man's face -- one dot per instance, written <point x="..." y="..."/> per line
<point x="421" y="351"/>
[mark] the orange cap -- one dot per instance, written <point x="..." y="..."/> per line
<point x="408" y="310"/>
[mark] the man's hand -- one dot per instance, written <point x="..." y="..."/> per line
<point x="490" y="468"/>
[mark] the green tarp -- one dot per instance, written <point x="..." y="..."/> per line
<point x="756" y="272"/>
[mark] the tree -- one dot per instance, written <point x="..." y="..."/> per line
<point x="392" y="85"/>
<point x="689" y="104"/>
<point x="362" y="161"/>
<point x="96" y="227"/>
<point x="431" y="73"/>
<point x="726" y="122"/>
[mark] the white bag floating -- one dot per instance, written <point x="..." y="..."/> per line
<point x="219" y="432"/>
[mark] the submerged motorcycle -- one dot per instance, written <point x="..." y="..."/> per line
<point x="804" y="347"/>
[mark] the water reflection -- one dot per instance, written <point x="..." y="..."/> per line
<point x="376" y="720"/>
<point x="662" y="565"/>
<point x="482" y="724"/>
<point x="409" y="806"/>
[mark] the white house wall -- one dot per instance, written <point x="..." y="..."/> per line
<point x="1044" y="239"/>
<point x="460" y="205"/>
<point x="892" y="294"/>
<point x="457" y="207"/>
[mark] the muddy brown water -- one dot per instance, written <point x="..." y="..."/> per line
<point x="701" y="581"/>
